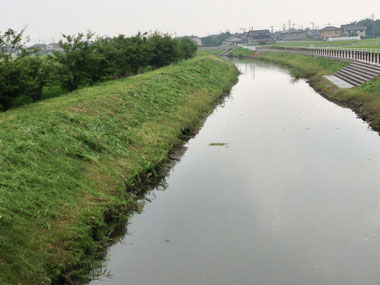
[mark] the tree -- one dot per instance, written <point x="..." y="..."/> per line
<point x="10" y="42"/>
<point x="187" y="47"/>
<point x="131" y="54"/>
<point x="164" y="50"/>
<point x="75" y="62"/>
<point x="21" y="78"/>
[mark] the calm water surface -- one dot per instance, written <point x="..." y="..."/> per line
<point x="293" y="198"/>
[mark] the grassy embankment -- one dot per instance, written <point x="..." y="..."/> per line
<point x="66" y="162"/>
<point x="240" y="52"/>
<point x="215" y="51"/>
<point x="364" y="100"/>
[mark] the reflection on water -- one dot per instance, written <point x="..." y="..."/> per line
<point x="292" y="199"/>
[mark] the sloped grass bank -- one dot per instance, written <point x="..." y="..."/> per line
<point x="240" y="52"/>
<point x="363" y="100"/>
<point x="65" y="163"/>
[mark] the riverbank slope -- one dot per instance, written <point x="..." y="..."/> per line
<point x="65" y="163"/>
<point x="364" y="100"/>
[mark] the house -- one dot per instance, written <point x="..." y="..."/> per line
<point x="329" y="32"/>
<point x="353" y="30"/>
<point x="258" y="36"/>
<point x="41" y="47"/>
<point x="234" y="40"/>
<point x="197" y="40"/>
<point x="276" y="36"/>
<point x="52" y="46"/>
<point x="313" y="34"/>
<point x="293" y="35"/>
<point x="11" y="51"/>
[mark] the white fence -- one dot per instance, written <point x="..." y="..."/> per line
<point x="367" y="55"/>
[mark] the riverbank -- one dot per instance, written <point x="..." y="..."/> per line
<point x="363" y="100"/>
<point x="66" y="162"/>
<point x="240" y="52"/>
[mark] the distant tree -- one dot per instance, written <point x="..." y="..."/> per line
<point x="75" y="62"/>
<point x="187" y="48"/>
<point x="10" y="42"/>
<point x="37" y="71"/>
<point x="164" y="50"/>
<point x="84" y="60"/>
<point x="215" y="40"/>
<point x="21" y="78"/>
<point x="131" y="54"/>
<point x="371" y="26"/>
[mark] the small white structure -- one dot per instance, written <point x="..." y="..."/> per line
<point x="197" y="40"/>
<point x="233" y="40"/>
<point x="343" y="39"/>
<point x="52" y="46"/>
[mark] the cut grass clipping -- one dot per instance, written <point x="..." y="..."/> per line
<point x="218" y="144"/>
<point x="66" y="162"/>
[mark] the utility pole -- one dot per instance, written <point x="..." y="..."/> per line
<point x="373" y="25"/>
<point x="289" y="24"/>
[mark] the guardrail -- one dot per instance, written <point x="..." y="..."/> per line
<point x="367" y="55"/>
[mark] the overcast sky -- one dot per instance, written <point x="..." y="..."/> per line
<point x="48" y="19"/>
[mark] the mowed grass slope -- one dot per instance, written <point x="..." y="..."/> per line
<point x="65" y="163"/>
<point x="364" y="100"/>
<point x="240" y="52"/>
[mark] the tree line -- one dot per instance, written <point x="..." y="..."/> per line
<point x="83" y="61"/>
<point x="372" y="27"/>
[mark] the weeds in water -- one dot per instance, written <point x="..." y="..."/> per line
<point x="218" y="144"/>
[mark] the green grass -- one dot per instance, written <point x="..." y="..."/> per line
<point x="302" y="65"/>
<point x="240" y="52"/>
<point x="215" y="51"/>
<point x="52" y="91"/>
<point x="364" y="100"/>
<point x="66" y="162"/>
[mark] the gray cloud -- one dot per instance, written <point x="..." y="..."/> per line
<point x="47" y="19"/>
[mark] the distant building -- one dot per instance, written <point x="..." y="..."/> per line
<point x="293" y="35"/>
<point x="234" y="40"/>
<point x="197" y="40"/>
<point x="43" y="48"/>
<point x="12" y="51"/>
<point x="258" y="36"/>
<point x="52" y="46"/>
<point x="276" y="36"/>
<point x="313" y="34"/>
<point x="353" y="30"/>
<point x="40" y="47"/>
<point x="329" y="32"/>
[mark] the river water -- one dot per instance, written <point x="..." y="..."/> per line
<point x="292" y="198"/>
